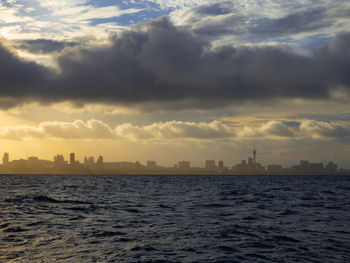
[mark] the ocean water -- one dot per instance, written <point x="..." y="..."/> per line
<point x="109" y="218"/>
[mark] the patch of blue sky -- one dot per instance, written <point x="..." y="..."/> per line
<point x="148" y="11"/>
<point x="130" y="19"/>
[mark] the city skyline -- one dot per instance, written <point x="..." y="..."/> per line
<point x="60" y="164"/>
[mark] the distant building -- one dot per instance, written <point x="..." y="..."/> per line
<point x="91" y="160"/>
<point x="151" y="164"/>
<point x="250" y="162"/>
<point x="316" y="167"/>
<point x="221" y="165"/>
<point x="210" y="164"/>
<point x="304" y="165"/>
<point x="254" y="156"/>
<point x="100" y="160"/>
<point x="59" y="160"/>
<point x="72" y="159"/>
<point x="331" y="167"/>
<point x="307" y="167"/>
<point x="274" y="168"/>
<point x="241" y="167"/>
<point x="5" y="159"/>
<point x="184" y="165"/>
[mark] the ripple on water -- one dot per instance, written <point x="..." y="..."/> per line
<point x="102" y="218"/>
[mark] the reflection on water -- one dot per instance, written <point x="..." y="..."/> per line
<point x="102" y="218"/>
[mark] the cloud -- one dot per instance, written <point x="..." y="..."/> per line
<point x="161" y="66"/>
<point x="82" y="14"/>
<point x="296" y="130"/>
<point x="60" y="19"/>
<point x="65" y="130"/>
<point x="321" y="129"/>
<point x="270" y="129"/>
<point x="96" y="129"/>
<point x="174" y="130"/>
<point x="43" y="46"/>
<point x="304" y="21"/>
<point x="296" y="23"/>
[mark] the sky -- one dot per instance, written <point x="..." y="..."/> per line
<point x="176" y="80"/>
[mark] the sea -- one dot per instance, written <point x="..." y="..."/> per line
<point x="172" y="218"/>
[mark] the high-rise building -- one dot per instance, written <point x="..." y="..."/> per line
<point x="72" y="159"/>
<point x="221" y="165"/>
<point x="5" y="159"/>
<point x="210" y="164"/>
<point x="250" y="161"/>
<point x="254" y="156"/>
<point x="100" y="160"/>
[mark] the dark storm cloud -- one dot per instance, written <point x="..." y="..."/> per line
<point x="159" y="66"/>
<point x="43" y="46"/>
<point x="20" y="80"/>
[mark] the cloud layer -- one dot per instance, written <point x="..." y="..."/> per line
<point x="160" y="66"/>
<point x="163" y="131"/>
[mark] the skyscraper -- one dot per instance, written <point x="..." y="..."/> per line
<point x="5" y="159"/>
<point x="210" y="164"/>
<point x="72" y="159"/>
<point x="254" y="155"/>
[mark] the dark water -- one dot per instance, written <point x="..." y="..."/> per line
<point x="174" y="218"/>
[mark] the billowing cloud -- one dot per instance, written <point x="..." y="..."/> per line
<point x="321" y="129"/>
<point x="160" y="66"/>
<point x="270" y="129"/>
<point x="96" y="129"/>
<point x="173" y="130"/>
<point x="176" y="129"/>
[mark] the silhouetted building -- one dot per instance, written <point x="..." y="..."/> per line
<point x="221" y="165"/>
<point x="274" y="168"/>
<point x="249" y="167"/>
<point x="5" y="159"/>
<point x="316" y="167"/>
<point x="254" y="156"/>
<point x="151" y="164"/>
<point x="184" y="165"/>
<point x="91" y="160"/>
<point x="100" y="160"/>
<point x="59" y="160"/>
<point x="210" y="164"/>
<point x="331" y="167"/>
<point x="72" y="159"/>
<point x="307" y="167"/>
<point x="304" y="165"/>
<point x="250" y="162"/>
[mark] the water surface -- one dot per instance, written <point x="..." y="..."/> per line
<point x="108" y="218"/>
